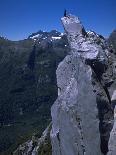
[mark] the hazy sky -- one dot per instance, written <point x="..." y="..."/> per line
<point x="19" y="18"/>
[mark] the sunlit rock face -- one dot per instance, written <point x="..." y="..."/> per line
<point x="82" y="115"/>
<point x="71" y="131"/>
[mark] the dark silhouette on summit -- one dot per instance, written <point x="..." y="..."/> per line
<point x="65" y="13"/>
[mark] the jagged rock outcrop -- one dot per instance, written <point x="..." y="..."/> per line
<point x="112" y="40"/>
<point x="82" y="115"/>
<point x="37" y="145"/>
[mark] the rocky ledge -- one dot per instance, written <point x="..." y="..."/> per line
<point x="83" y="114"/>
<point x="36" y="146"/>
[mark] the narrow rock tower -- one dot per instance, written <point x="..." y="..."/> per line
<point x="83" y="107"/>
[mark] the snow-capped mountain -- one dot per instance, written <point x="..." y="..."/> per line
<point x="42" y="35"/>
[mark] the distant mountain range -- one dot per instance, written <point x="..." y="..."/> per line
<point x="28" y="85"/>
<point x="42" y="35"/>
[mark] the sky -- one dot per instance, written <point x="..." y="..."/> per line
<point x="20" y="18"/>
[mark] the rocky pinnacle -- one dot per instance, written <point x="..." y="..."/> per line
<point x="82" y="115"/>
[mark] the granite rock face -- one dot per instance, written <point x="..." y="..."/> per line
<point x="82" y="115"/>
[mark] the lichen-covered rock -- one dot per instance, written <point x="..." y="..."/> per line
<point x="82" y="116"/>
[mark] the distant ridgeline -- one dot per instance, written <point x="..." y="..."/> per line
<point x="28" y="85"/>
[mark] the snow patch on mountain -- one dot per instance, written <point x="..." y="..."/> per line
<point x="56" y="38"/>
<point x="36" y="36"/>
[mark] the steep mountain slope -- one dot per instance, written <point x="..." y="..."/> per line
<point x="28" y="85"/>
<point x="83" y="114"/>
<point x="36" y="146"/>
<point x="112" y="39"/>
